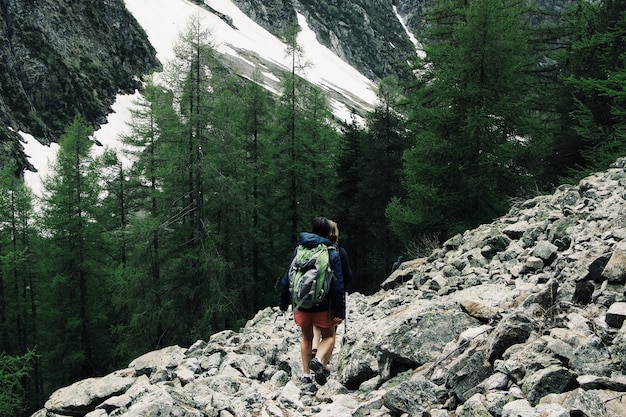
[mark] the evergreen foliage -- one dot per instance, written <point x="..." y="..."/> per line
<point x="256" y="124"/>
<point x="595" y="74"/>
<point x="75" y="284"/>
<point x="472" y="118"/>
<point x="16" y="260"/>
<point x="13" y="370"/>
<point x="20" y="376"/>
<point x="369" y="177"/>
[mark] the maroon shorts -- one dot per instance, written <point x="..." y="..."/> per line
<point x="318" y="319"/>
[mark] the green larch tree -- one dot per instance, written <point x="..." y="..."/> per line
<point x="258" y="105"/>
<point x="191" y="150"/>
<point x="18" y="286"/>
<point x="76" y="299"/>
<point x="14" y="369"/>
<point x="595" y="75"/>
<point x="472" y="120"/>
<point x="141" y="282"/>
<point x="16" y="260"/>
<point x="368" y="178"/>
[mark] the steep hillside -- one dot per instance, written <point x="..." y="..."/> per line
<point x="523" y="317"/>
<point x="60" y="57"/>
<point x="365" y="33"/>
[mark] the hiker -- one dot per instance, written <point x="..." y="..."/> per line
<point x="346" y="272"/>
<point x="326" y="315"/>
<point x="343" y="255"/>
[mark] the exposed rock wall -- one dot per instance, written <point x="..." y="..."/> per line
<point x="364" y="33"/>
<point x="523" y="317"/>
<point x="60" y="57"/>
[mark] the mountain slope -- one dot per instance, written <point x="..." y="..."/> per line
<point x="364" y="33"/>
<point x="243" y="44"/>
<point x="59" y="57"/>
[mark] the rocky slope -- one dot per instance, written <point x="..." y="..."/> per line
<point x="522" y="317"/>
<point x="60" y="57"/>
<point x="365" y="33"/>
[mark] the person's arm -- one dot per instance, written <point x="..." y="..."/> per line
<point x="345" y="266"/>
<point x="284" y="294"/>
<point x="337" y="287"/>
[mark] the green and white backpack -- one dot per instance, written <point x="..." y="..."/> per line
<point x="310" y="276"/>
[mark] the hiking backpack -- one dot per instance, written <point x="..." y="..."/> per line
<point x="310" y="276"/>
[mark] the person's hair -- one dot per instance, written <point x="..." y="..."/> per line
<point x="333" y="236"/>
<point x="321" y="226"/>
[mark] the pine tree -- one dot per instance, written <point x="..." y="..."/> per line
<point x="13" y="370"/>
<point x="141" y="283"/>
<point x="75" y="301"/>
<point x="595" y="75"/>
<point x="369" y="167"/>
<point x="472" y="118"/>
<point x="256" y="125"/>
<point x="18" y="287"/>
<point x="304" y="150"/>
<point x="15" y="258"/>
<point x="185" y="156"/>
<point x="317" y="150"/>
<point x="290" y="99"/>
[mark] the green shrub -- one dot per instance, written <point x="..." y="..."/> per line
<point x="13" y="371"/>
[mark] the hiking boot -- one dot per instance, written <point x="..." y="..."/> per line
<point x="321" y="373"/>
<point x="323" y="378"/>
<point x="306" y="379"/>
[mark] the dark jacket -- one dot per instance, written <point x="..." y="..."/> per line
<point x="345" y="265"/>
<point x="336" y="298"/>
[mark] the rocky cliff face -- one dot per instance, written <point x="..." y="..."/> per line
<point x="365" y="33"/>
<point x="60" y="57"/>
<point x="523" y="317"/>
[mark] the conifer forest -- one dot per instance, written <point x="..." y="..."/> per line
<point x="117" y="259"/>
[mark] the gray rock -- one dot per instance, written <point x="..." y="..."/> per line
<point x="467" y="371"/>
<point x="578" y="402"/>
<point x="545" y="251"/>
<point x="473" y="407"/>
<point x="167" y="358"/>
<point x="513" y="329"/>
<point x="522" y="408"/>
<point x="414" y="397"/>
<point x="84" y="396"/>
<point x="615" y="269"/>
<point x="616" y="314"/>
<point x="553" y="379"/>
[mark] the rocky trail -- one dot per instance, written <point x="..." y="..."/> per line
<point x="522" y="317"/>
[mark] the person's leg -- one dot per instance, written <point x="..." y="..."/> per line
<point x="306" y="342"/>
<point x="326" y="346"/>
<point x="305" y="321"/>
<point x="317" y="335"/>
<point x="319" y="364"/>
